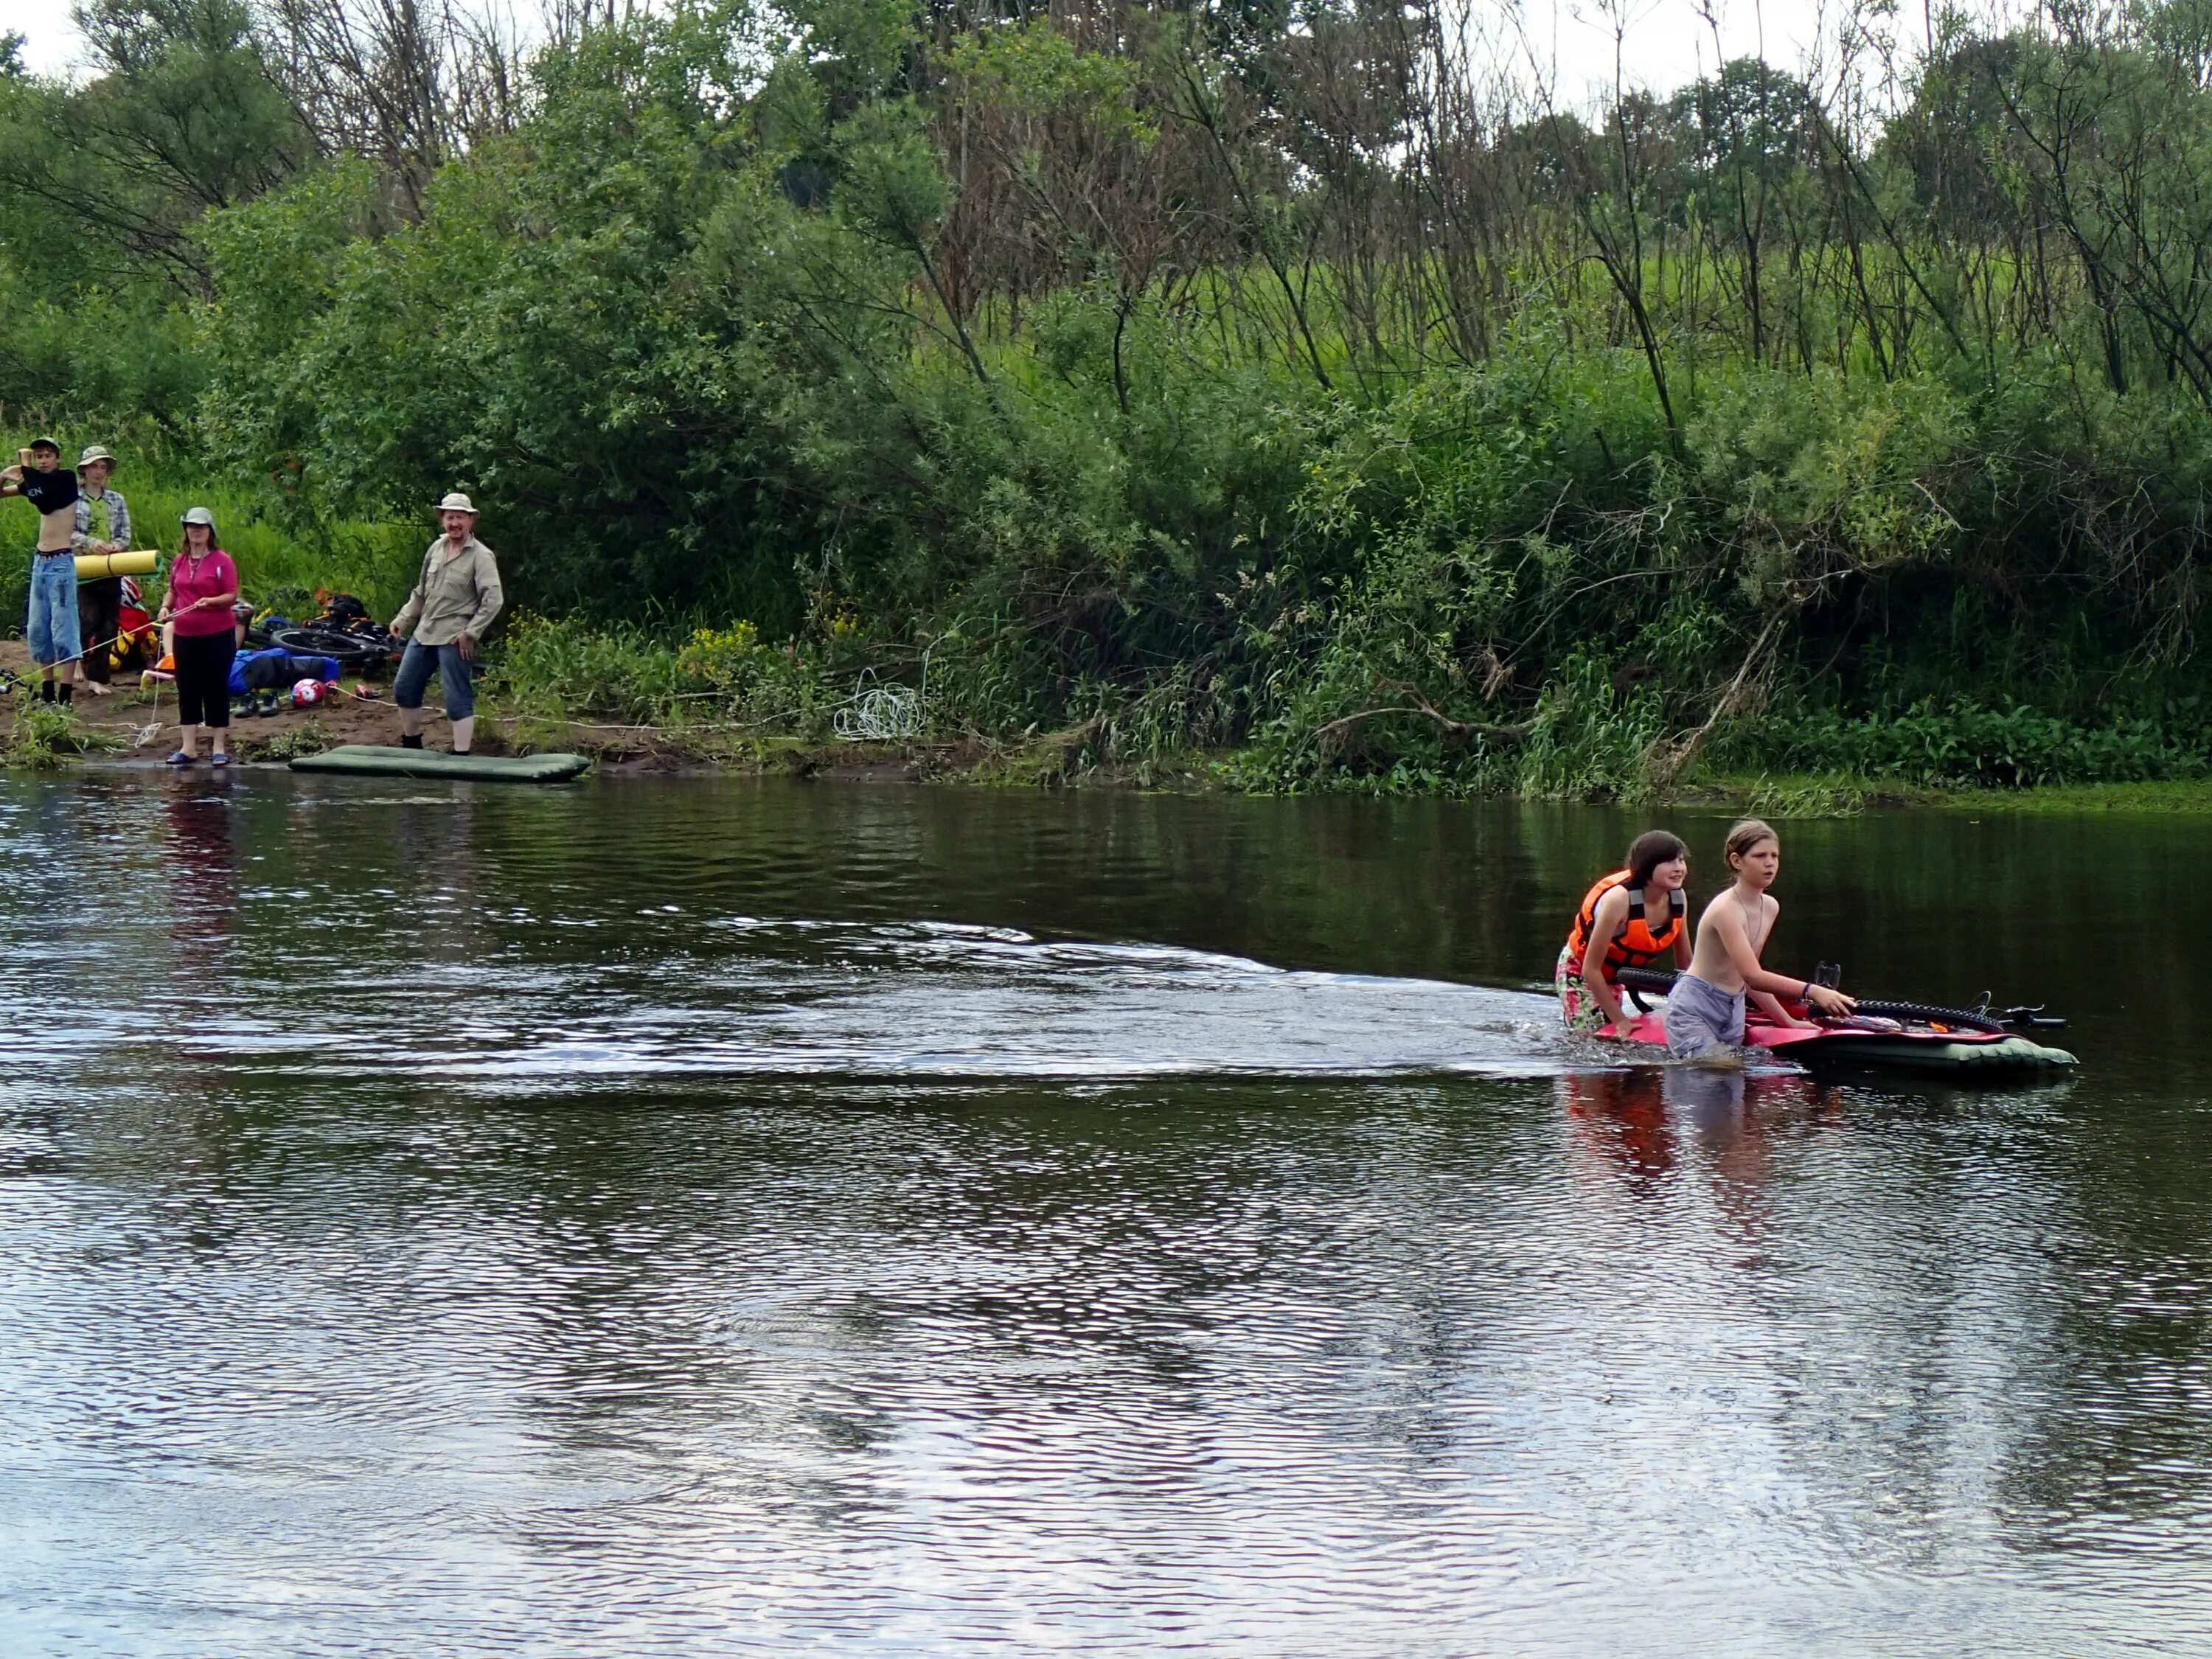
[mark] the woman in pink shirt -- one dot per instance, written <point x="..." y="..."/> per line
<point x="203" y="586"/>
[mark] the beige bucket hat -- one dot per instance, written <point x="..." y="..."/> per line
<point x="457" y="502"/>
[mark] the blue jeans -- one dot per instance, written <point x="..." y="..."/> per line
<point x="52" y="629"/>
<point x="407" y="686"/>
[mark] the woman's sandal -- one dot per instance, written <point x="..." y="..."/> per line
<point x="180" y="758"/>
<point x="220" y="758"/>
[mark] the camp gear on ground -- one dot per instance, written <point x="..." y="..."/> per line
<point x="306" y="694"/>
<point x="92" y="567"/>
<point x="457" y="502"/>
<point x="339" y="610"/>
<point x="357" y="654"/>
<point x="276" y="669"/>
<point x="198" y="515"/>
<point x="372" y="760"/>
<point x="260" y="632"/>
<point x="93" y="453"/>
<point x="456" y="593"/>
<point x="137" y="640"/>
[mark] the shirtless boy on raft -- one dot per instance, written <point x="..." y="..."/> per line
<point x="1705" y="1009"/>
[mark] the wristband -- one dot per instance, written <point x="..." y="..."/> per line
<point x="1806" y="993"/>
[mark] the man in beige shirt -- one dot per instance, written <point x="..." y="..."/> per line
<point x="454" y="600"/>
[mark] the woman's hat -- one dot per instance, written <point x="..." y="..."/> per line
<point x="95" y="452"/>
<point x="457" y="502"/>
<point x="198" y="515"/>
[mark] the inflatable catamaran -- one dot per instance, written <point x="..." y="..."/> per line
<point x="1897" y="1036"/>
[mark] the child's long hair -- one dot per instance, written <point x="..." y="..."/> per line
<point x="1648" y="851"/>
<point x="1747" y="834"/>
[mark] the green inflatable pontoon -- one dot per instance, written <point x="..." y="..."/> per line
<point x="370" y="760"/>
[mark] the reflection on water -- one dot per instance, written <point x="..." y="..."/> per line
<point x="713" y="1219"/>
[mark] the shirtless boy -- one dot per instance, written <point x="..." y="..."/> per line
<point x="1705" y="1008"/>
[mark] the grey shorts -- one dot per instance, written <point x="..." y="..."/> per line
<point x="1700" y="1016"/>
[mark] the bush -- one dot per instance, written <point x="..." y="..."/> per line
<point x="1960" y="744"/>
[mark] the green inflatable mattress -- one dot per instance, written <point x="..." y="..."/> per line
<point x="370" y="760"/>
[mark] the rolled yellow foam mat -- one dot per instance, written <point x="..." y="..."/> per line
<point x="91" y="566"/>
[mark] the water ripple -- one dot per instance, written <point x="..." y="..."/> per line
<point x="733" y="1221"/>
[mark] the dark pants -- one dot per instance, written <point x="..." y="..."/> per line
<point x="99" y="614"/>
<point x="203" y="679"/>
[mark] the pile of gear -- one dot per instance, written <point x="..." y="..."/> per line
<point x="138" y="642"/>
<point x="282" y="661"/>
<point x="340" y="637"/>
<point x="340" y="629"/>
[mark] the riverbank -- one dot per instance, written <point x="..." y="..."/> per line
<point x="115" y="728"/>
<point x="137" y="722"/>
<point x="1835" y="796"/>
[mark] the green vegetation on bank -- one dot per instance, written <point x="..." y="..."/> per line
<point x="1787" y="795"/>
<point x="1273" y="386"/>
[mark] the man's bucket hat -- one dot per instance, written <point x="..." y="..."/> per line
<point x="457" y="502"/>
<point x="198" y="515"/>
<point x="95" y="452"/>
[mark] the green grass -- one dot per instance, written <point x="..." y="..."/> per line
<point x="43" y="736"/>
<point x="1835" y="795"/>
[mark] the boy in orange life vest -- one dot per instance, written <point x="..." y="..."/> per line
<point x="1636" y="915"/>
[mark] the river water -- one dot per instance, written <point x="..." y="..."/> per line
<point x="704" y="1217"/>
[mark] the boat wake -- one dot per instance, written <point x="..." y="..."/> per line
<point x="743" y="995"/>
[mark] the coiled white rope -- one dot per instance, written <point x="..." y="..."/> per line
<point x="883" y="714"/>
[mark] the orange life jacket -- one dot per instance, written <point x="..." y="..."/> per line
<point x="1636" y="945"/>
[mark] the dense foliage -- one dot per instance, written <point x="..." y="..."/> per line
<point x="1272" y="378"/>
